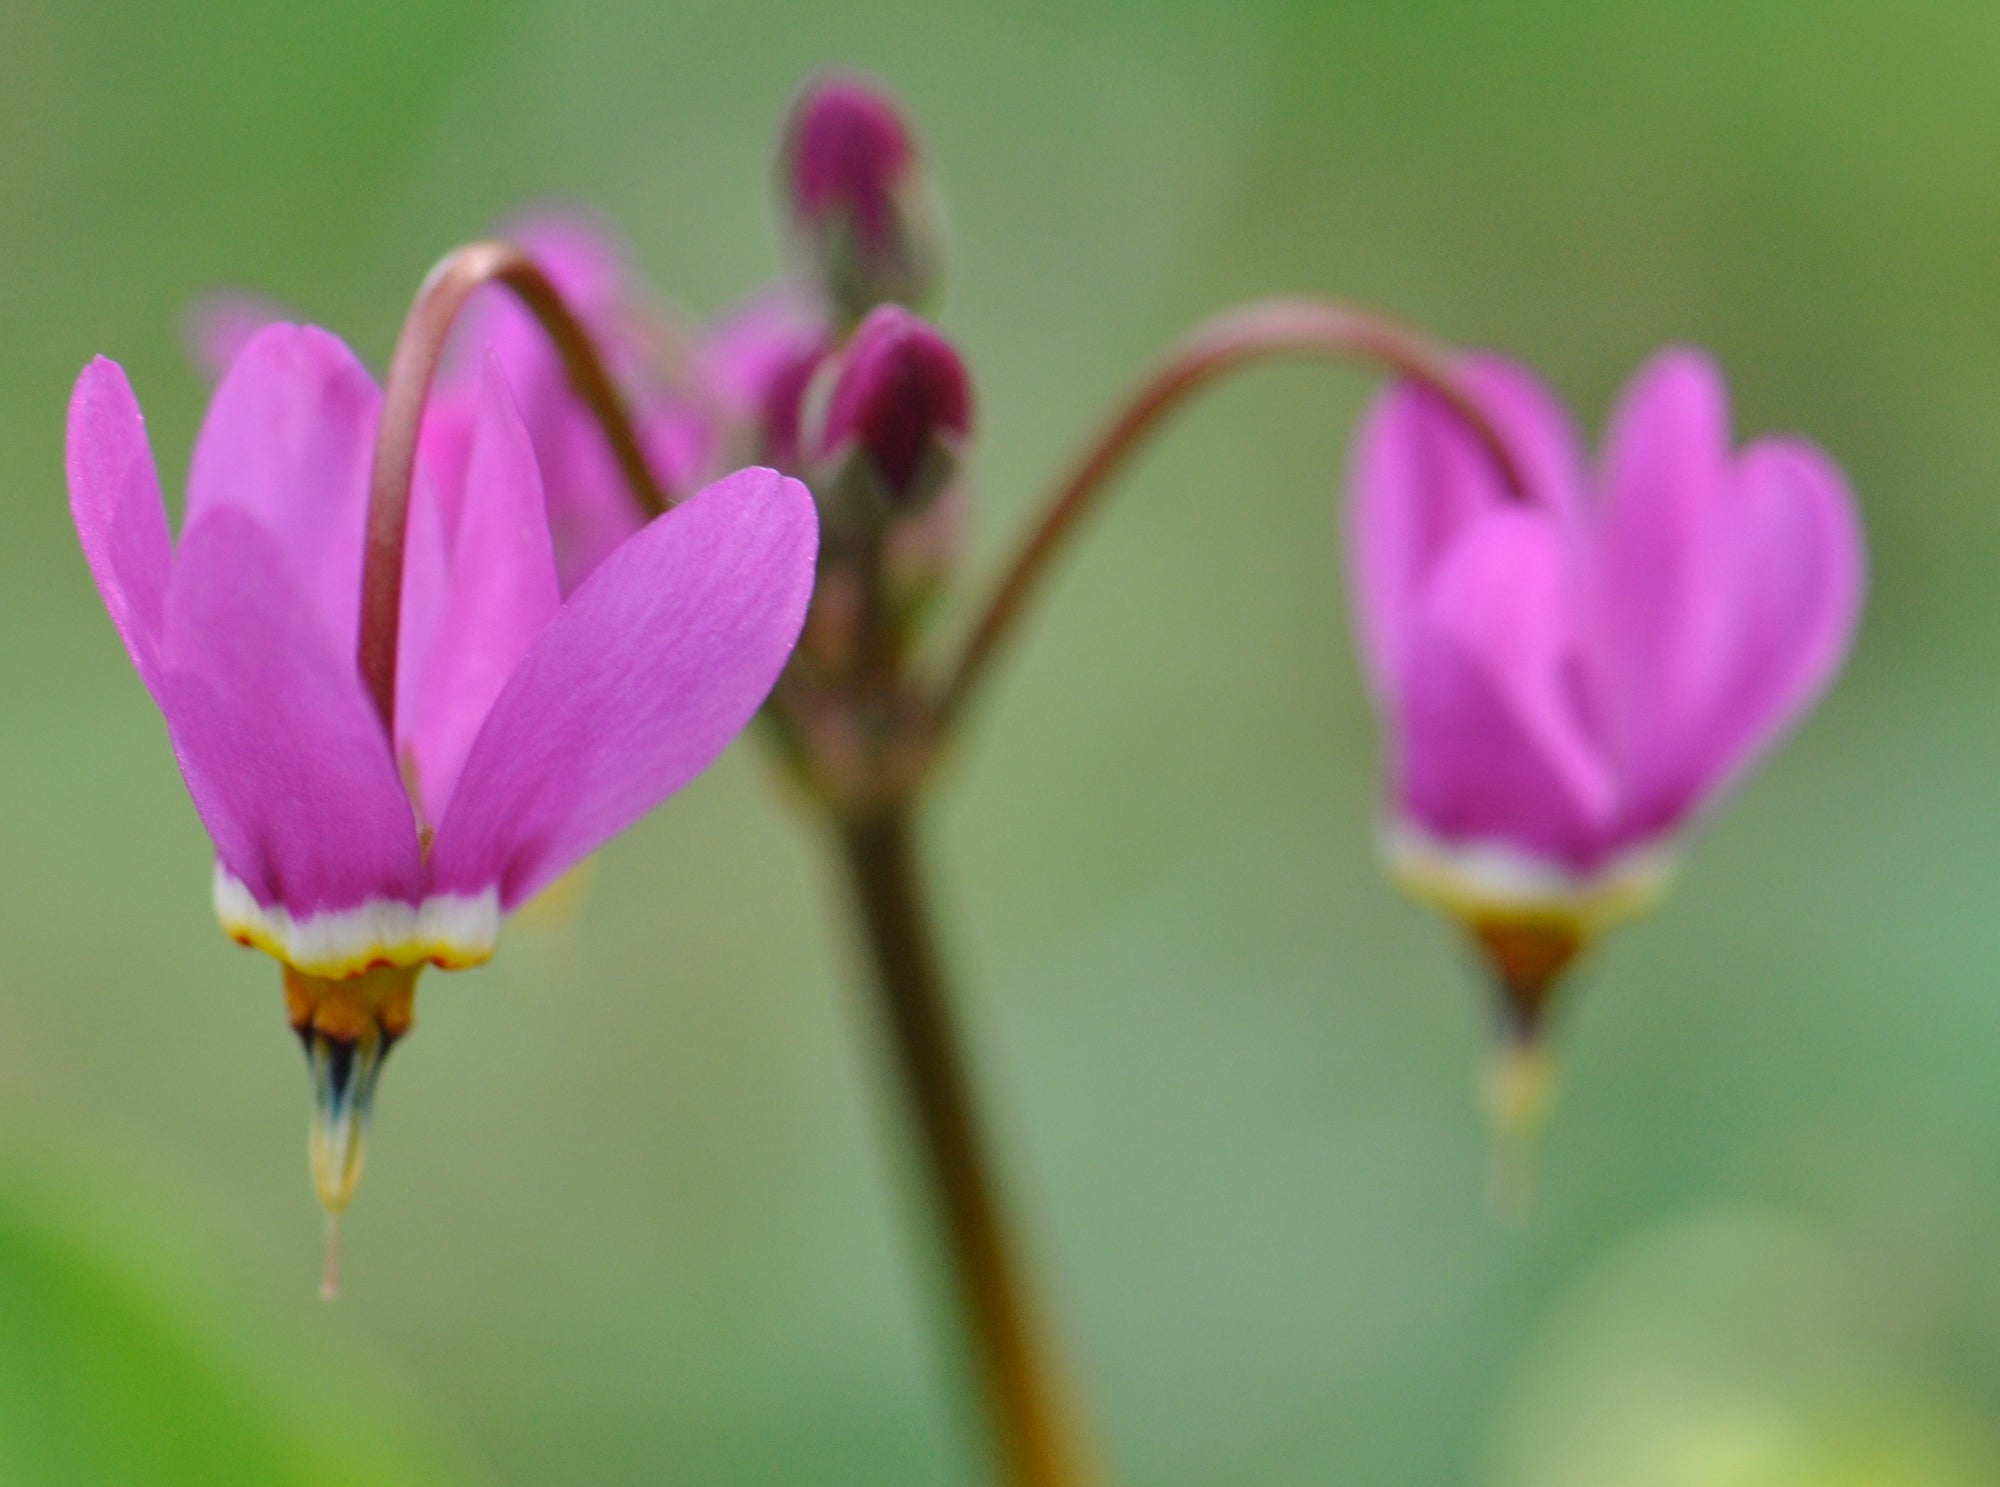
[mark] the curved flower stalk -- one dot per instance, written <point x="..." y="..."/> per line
<point x="1572" y="682"/>
<point x="679" y="426"/>
<point x="528" y="728"/>
<point x="590" y="505"/>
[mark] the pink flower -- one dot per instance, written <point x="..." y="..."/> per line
<point x="529" y="728"/>
<point x="1573" y="680"/>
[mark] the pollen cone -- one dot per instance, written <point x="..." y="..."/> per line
<point x="1527" y="959"/>
<point x="347" y="1028"/>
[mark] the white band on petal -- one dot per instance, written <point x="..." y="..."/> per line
<point x="451" y="930"/>
<point x="1486" y="880"/>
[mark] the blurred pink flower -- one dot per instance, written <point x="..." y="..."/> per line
<point x="1570" y="681"/>
<point x="756" y="363"/>
<point x="529" y="728"/>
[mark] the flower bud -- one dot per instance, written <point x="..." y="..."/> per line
<point x="856" y="200"/>
<point x="894" y="420"/>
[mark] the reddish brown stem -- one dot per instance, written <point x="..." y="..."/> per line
<point x="1236" y="338"/>
<point x="411" y="368"/>
<point x="1036" y="1426"/>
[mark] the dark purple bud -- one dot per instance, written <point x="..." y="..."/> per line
<point x="899" y="410"/>
<point x="856" y="199"/>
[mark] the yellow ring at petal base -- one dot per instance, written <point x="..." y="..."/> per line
<point x="1483" y="883"/>
<point x="453" y="931"/>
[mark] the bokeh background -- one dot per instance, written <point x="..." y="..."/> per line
<point x="639" y="1210"/>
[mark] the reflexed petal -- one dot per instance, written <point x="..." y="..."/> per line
<point x="758" y="344"/>
<point x="1419" y="478"/>
<point x="593" y="510"/>
<point x="1415" y="488"/>
<point x="1666" y="448"/>
<point x="282" y="751"/>
<point x="1666" y="466"/>
<point x="1492" y="745"/>
<point x="1777" y="569"/>
<point x="114" y="497"/>
<point x="426" y="577"/>
<point x="288" y="440"/>
<point x="648" y="671"/>
<point x="501" y="594"/>
<point x="585" y="261"/>
<point x="589" y="509"/>
<point x="758" y="362"/>
<point x="445" y="444"/>
<point x="1537" y="429"/>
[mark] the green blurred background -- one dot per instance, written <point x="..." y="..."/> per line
<point x="639" y="1210"/>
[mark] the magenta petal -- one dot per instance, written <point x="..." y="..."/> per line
<point x="758" y="363"/>
<point x="426" y="581"/>
<point x="649" y="670"/>
<point x="1492" y="745"/>
<point x="445" y="444"/>
<point x="758" y="345"/>
<point x="1791" y="554"/>
<point x="1666" y="462"/>
<point x="288" y="440"/>
<point x="1414" y="487"/>
<point x="501" y="594"/>
<point x="1667" y="447"/>
<point x="586" y="263"/>
<point x="114" y="497"/>
<point x="1777" y="572"/>
<point x="1537" y="429"/>
<point x="1419" y="478"/>
<point x="281" y="749"/>
<point x="590" y="510"/>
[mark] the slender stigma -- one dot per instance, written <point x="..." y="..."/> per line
<point x="1527" y="959"/>
<point x="347" y="1028"/>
